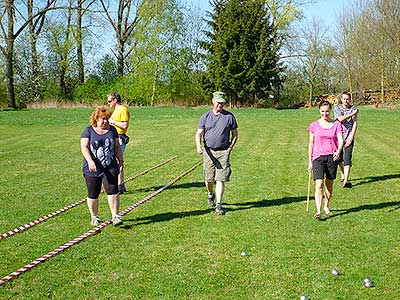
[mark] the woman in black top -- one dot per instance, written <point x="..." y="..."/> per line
<point x="102" y="163"/>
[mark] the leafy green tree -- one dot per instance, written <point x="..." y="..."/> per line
<point x="106" y="69"/>
<point x="242" y="54"/>
<point x="164" y="56"/>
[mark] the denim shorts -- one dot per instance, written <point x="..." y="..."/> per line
<point x="123" y="141"/>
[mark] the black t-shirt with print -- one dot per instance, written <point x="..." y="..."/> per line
<point x="102" y="150"/>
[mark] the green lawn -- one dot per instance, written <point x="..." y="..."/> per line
<point x="173" y="246"/>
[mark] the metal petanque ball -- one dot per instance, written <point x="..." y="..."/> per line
<point x="244" y="254"/>
<point x="368" y="282"/>
<point x="335" y="272"/>
<point x="304" y="297"/>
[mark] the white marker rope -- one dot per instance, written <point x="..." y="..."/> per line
<point x="149" y="170"/>
<point x="68" y="207"/>
<point x="148" y="197"/>
<point x="90" y="232"/>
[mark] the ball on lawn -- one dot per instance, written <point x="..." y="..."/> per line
<point x="335" y="272"/>
<point x="304" y="297"/>
<point x="368" y="282"/>
<point x="244" y="254"/>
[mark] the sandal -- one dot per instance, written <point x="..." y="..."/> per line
<point x="317" y="216"/>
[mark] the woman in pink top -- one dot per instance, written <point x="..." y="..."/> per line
<point x="324" y="147"/>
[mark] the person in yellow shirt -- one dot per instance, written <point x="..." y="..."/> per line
<point x="120" y="120"/>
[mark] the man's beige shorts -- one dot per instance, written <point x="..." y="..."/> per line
<point x="216" y="165"/>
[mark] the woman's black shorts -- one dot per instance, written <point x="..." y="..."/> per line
<point x="109" y="180"/>
<point x="325" y="167"/>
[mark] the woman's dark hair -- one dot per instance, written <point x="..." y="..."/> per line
<point x="115" y="96"/>
<point x="325" y="103"/>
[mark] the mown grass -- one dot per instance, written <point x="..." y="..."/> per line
<point x="173" y="246"/>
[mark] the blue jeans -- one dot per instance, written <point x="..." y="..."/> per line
<point x="123" y="141"/>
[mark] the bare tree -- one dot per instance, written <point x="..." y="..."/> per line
<point x="344" y="42"/>
<point x="283" y="14"/>
<point x="128" y="16"/>
<point x="389" y="10"/>
<point x="314" y="55"/>
<point x="370" y="45"/>
<point x="61" y="46"/>
<point x="8" y="21"/>
<point x="81" y="8"/>
<point x="35" y="28"/>
<point x="79" y="43"/>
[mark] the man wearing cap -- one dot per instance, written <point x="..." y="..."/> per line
<point x="218" y="130"/>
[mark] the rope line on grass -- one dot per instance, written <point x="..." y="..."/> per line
<point x="149" y="169"/>
<point x="68" y="207"/>
<point x="90" y="232"/>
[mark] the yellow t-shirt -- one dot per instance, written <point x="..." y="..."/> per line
<point x="121" y="114"/>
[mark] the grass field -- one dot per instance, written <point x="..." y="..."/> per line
<point x="173" y="246"/>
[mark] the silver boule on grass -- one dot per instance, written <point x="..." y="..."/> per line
<point x="335" y="272"/>
<point x="304" y="297"/>
<point x="368" y="282"/>
<point x="244" y="253"/>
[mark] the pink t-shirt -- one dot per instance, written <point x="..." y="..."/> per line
<point x="325" y="139"/>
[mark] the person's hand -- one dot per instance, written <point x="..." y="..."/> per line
<point x="309" y="168"/>
<point x="121" y="165"/>
<point x="111" y="121"/>
<point x="336" y="155"/>
<point x="199" y="150"/>
<point x="348" y="143"/>
<point x="92" y="166"/>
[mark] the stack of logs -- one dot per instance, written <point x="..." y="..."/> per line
<point x="366" y="97"/>
<point x="369" y="97"/>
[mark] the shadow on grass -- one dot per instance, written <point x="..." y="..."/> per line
<point x="343" y="212"/>
<point x="375" y="178"/>
<point x="228" y="207"/>
<point x="168" y="216"/>
<point x="174" y="186"/>
<point x="265" y="203"/>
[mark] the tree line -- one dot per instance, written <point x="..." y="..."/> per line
<point x="361" y="57"/>
<point x="259" y="52"/>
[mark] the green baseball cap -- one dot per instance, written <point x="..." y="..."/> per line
<point x="219" y="97"/>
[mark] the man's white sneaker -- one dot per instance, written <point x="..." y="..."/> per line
<point x="218" y="209"/>
<point x="117" y="220"/>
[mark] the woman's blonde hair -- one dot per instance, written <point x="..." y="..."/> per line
<point x="100" y="112"/>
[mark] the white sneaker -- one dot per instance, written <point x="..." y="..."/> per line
<point x="117" y="220"/>
<point x="218" y="209"/>
<point x="210" y="199"/>
<point x="95" y="221"/>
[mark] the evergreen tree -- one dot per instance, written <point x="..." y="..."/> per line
<point x="241" y="50"/>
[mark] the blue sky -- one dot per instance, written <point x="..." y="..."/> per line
<point x="325" y="10"/>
